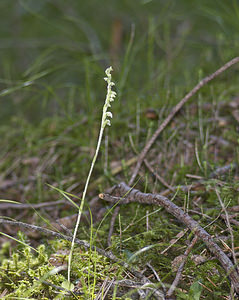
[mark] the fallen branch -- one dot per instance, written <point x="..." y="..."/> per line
<point x="29" y="205"/>
<point x="201" y="183"/>
<point x="127" y="195"/>
<point x="176" y="108"/>
<point x="87" y="245"/>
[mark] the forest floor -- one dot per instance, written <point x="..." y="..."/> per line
<point x="161" y="213"/>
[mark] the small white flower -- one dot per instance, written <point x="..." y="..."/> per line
<point x="108" y="71"/>
<point x="107" y="122"/>
<point x="109" y="98"/>
<point x="109" y="114"/>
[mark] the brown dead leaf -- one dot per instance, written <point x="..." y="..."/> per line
<point x="59" y="258"/>
<point x="235" y="114"/>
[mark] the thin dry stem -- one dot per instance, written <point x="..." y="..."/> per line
<point x="149" y="144"/>
<point x="180" y="268"/>
<point x="127" y="195"/>
<point x="228" y="225"/>
<point x="112" y="223"/>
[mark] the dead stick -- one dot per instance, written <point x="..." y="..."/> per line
<point x="204" y="81"/>
<point x="228" y="225"/>
<point x="180" y="268"/>
<point x="185" y="188"/>
<point x="107" y="254"/>
<point x="160" y="179"/>
<point x="29" y="205"/>
<point x="112" y="223"/>
<point x="69" y="238"/>
<point x="132" y="195"/>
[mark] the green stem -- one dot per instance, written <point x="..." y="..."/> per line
<point x="104" y="121"/>
<point x="83" y="198"/>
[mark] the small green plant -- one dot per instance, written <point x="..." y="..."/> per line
<point x="39" y="274"/>
<point x="104" y="121"/>
<point x="194" y="292"/>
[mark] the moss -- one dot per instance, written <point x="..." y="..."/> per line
<point x="24" y="273"/>
<point x="208" y="273"/>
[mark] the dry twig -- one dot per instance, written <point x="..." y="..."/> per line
<point x="169" y="118"/>
<point x="160" y="179"/>
<point x="133" y="195"/>
<point x="29" y="205"/>
<point x="112" y="222"/>
<point x="200" y="183"/>
<point x="174" y="111"/>
<point x="227" y="219"/>
<point x="108" y="254"/>
<point x="180" y="268"/>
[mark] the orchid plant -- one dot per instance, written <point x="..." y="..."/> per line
<point x="105" y="121"/>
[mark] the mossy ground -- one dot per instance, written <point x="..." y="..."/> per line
<point x="52" y="92"/>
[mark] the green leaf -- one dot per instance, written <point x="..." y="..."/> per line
<point x="195" y="291"/>
<point x="68" y="285"/>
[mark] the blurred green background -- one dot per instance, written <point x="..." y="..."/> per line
<point x="53" y="53"/>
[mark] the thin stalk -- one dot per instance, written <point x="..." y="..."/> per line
<point x="104" y="121"/>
